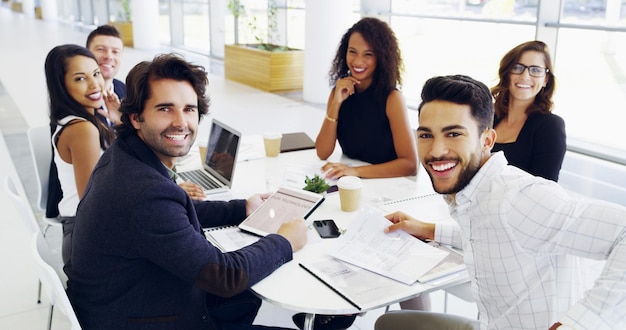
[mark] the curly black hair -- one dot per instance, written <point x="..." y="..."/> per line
<point x="384" y="43"/>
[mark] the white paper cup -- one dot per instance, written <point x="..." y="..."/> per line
<point x="272" y="143"/>
<point x="350" y="192"/>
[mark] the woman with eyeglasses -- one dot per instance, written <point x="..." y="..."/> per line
<point x="531" y="136"/>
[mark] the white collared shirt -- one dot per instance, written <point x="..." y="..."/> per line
<point x="519" y="233"/>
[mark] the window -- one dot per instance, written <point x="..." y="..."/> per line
<point x="439" y="37"/>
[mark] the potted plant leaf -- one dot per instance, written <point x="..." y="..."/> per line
<point x="316" y="184"/>
<point x="262" y="64"/>
<point x="123" y="22"/>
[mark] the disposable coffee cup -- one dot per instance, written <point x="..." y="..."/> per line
<point x="350" y="193"/>
<point x="272" y="144"/>
<point x="202" y="148"/>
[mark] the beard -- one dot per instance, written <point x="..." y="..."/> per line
<point x="463" y="179"/>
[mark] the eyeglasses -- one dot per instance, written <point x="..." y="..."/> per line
<point x="533" y="70"/>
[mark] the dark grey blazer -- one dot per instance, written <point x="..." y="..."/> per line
<point x="139" y="257"/>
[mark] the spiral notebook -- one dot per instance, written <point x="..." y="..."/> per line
<point x="429" y="207"/>
<point x="229" y="238"/>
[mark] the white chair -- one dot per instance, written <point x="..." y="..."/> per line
<point x="52" y="281"/>
<point x="22" y="205"/>
<point x="25" y="212"/>
<point x="417" y="320"/>
<point x="41" y="152"/>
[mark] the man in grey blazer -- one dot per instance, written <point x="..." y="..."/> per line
<point x="140" y="259"/>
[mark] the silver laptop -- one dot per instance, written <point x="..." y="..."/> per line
<point x="219" y="165"/>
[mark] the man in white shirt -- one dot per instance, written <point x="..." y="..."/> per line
<point x="516" y="230"/>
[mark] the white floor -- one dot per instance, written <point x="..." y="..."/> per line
<point x="25" y="42"/>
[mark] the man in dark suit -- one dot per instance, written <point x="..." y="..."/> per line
<point x="140" y="258"/>
<point x="105" y="42"/>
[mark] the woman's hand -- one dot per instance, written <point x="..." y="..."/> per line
<point x="193" y="190"/>
<point x="344" y="88"/>
<point x="337" y="170"/>
<point x="112" y="103"/>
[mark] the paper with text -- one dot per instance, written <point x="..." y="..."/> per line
<point x="361" y="287"/>
<point x="397" y="255"/>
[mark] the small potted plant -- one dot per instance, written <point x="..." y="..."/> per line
<point x="316" y="184"/>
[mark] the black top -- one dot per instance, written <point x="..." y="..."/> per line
<point x="363" y="129"/>
<point x="540" y="146"/>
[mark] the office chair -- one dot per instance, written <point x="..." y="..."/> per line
<point x="52" y="281"/>
<point x="25" y="212"/>
<point x="41" y="152"/>
<point x="22" y="205"/>
<point x="421" y="320"/>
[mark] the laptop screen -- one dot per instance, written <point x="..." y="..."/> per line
<point x="221" y="154"/>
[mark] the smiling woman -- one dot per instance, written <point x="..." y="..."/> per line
<point x="531" y="136"/>
<point x="75" y="88"/>
<point x="366" y="112"/>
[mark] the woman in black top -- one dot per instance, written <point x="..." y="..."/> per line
<point x="531" y="136"/>
<point x="366" y="112"/>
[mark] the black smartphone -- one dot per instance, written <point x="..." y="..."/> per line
<point x="326" y="228"/>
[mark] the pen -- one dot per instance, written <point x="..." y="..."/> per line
<point x="328" y="285"/>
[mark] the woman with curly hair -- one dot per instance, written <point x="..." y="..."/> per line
<point x="531" y="136"/>
<point x="366" y="112"/>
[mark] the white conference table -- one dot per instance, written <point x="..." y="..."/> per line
<point x="290" y="286"/>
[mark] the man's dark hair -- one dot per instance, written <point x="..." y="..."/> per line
<point x="103" y="30"/>
<point x="163" y="66"/>
<point x="463" y="90"/>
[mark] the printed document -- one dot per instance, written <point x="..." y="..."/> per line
<point x="397" y="255"/>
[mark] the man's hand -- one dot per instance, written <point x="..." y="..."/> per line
<point x="295" y="232"/>
<point x="193" y="190"/>
<point x="255" y="201"/>
<point x="419" y="229"/>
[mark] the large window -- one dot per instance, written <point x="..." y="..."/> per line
<point x="587" y="40"/>
<point x="470" y="36"/>
<point x="257" y="17"/>
<point x="196" y="25"/>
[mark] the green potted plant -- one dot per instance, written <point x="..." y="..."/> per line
<point x="263" y="64"/>
<point x="316" y="184"/>
<point x="123" y="22"/>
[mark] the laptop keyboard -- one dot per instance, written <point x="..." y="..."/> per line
<point x="201" y="178"/>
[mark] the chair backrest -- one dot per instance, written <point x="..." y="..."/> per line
<point x="50" y="279"/>
<point x="417" y="320"/>
<point x="23" y="207"/>
<point x="41" y="152"/>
